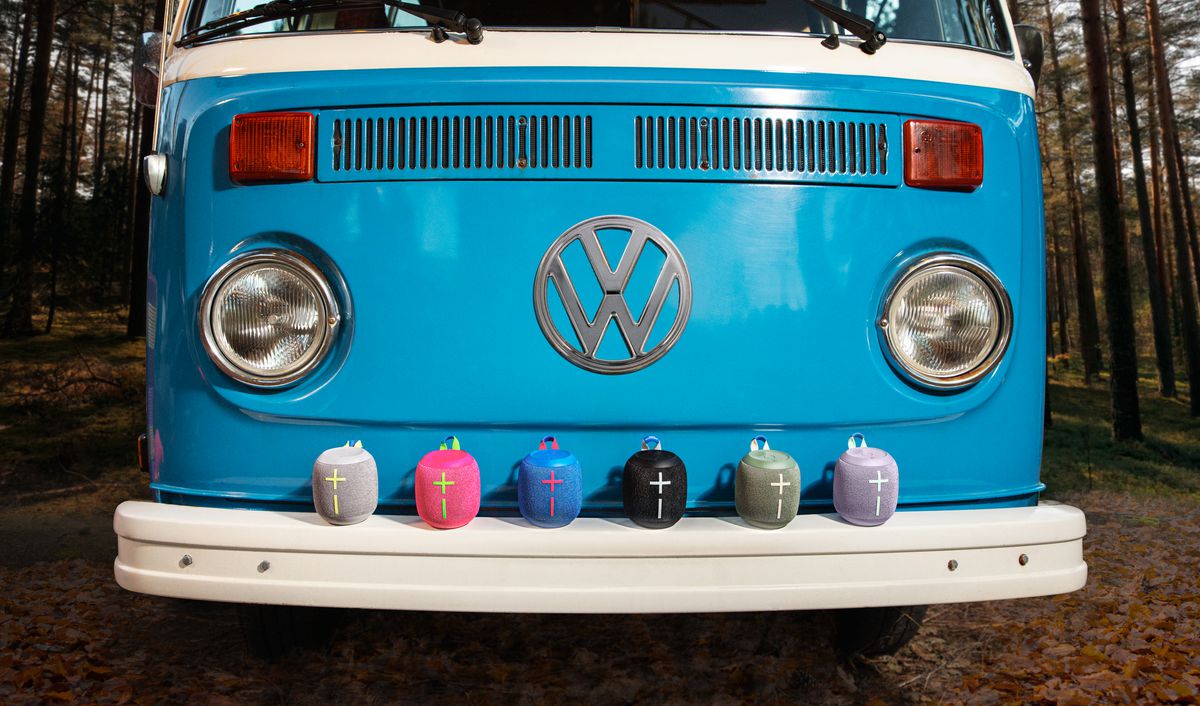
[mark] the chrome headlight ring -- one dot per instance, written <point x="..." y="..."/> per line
<point x="327" y="312"/>
<point x="945" y="262"/>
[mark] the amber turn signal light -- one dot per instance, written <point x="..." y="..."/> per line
<point x="265" y="147"/>
<point x="943" y="154"/>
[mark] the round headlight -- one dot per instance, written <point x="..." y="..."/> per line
<point x="267" y="317"/>
<point x="947" y="321"/>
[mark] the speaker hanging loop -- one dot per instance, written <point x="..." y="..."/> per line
<point x="754" y="444"/>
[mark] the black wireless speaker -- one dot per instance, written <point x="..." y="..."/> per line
<point x="654" y="486"/>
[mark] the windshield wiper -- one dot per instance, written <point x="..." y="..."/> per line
<point x="852" y="22"/>
<point x="441" y="20"/>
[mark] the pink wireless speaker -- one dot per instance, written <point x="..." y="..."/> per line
<point x="447" y="486"/>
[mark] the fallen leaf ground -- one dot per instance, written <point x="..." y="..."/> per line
<point x="68" y="633"/>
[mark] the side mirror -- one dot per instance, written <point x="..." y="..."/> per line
<point x="1033" y="50"/>
<point x="146" y="53"/>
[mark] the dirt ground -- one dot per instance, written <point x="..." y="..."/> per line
<point x="68" y="633"/>
<point x="71" y="406"/>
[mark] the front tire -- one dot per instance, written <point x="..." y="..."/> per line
<point x="874" y="632"/>
<point x="272" y="631"/>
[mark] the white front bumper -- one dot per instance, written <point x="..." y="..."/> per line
<point x="599" y="565"/>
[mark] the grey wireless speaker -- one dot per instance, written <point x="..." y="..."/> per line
<point x="866" y="484"/>
<point x="766" y="490"/>
<point x="345" y="484"/>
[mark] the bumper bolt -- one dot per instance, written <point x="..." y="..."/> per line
<point x="186" y="561"/>
<point x="952" y="564"/>
<point x="1023" y="559"/>
<point x="263" y="566"/>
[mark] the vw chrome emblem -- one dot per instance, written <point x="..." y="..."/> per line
<point x="613" y="309"/>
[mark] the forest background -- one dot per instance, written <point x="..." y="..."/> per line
<point x="1118" y="111"/>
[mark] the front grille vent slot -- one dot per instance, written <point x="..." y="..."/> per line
<point x="760" y="144"/>
<point x="607" y="142"/>
<point x="462" y="142"/>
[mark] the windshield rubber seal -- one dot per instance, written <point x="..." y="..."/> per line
<point x="1010" y="54"/>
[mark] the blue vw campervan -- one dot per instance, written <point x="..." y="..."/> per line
<point x="706" y="221"/>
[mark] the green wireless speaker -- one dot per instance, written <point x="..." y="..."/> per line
<point x="767" y="488"/>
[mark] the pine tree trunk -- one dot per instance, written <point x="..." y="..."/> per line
<point x="1188" y="209"/>
<point x="20" y="313"/>
<point x="1118" y="302"/>
<point x="83" y="133"/>
<point x="1047" y="414"/>
<point x="18" y="54"/>
<point x="1176" y="304"/>
<point x="102" y="129"/>
<point x="1164" y="242"/>
<point x="1183" y="270"/>
<point x="135" y="325"/>
<point x="62" y="198"/>
<point x="12" y="137"/>
<point x="1055" y="264"/>
<point x="1156" y="175"/>
<point x="1165" y="269"/>
<point x="1159" y="316"/>
<point x="71" y="109"/>
<point x="1051" y="296"/>
<point x="1060" y="286"/>
<point x="133" y="116"/>
<point x="127" y="141"/>
<point x="11" y="75"/>
<point x="132" y="186"/>
<point x="1089" y="325"/>
<point x="1111" y="80"/>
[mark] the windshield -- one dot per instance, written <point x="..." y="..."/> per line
<point x="974" y="23"/>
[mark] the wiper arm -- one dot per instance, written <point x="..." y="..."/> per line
<point x="440" y="19"/>
<point x="854" y="23"/>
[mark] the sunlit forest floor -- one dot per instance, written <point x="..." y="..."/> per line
<point x="71" y="406"/>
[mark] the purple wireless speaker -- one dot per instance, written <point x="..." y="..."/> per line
<point x="866" y="484"/>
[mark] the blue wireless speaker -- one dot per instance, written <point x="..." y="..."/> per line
<point x="550" y="485"/>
